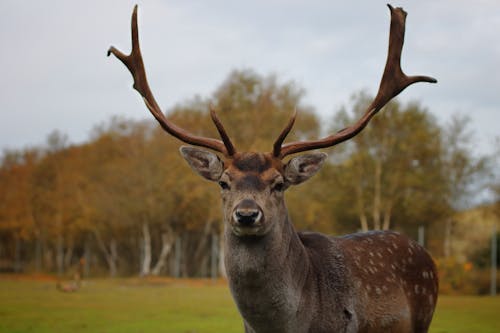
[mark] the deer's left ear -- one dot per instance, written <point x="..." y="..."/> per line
<point x="303" y="167"/>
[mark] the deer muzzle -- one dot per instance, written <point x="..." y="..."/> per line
<point x="247" y="214"/>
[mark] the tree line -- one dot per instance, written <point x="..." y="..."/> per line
<point x="125" y="203"/>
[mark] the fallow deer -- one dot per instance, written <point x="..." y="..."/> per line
<point x="288" y="281"/>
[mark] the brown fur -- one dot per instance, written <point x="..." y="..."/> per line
<point x="285" y="281"/>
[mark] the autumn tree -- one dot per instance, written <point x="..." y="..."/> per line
<point x="390" y="174"/>
<point x="17" y="221"/>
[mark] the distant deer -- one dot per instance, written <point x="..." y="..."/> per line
<point x="287" y="281"/>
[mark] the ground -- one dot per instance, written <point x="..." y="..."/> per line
<point x="173" y="306"/>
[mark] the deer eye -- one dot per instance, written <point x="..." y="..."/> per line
<point x="278" y="187"/>
<point x="223" y="185"/>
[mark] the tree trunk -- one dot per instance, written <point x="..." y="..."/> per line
<point x="214" y="255"/>
<point x="60" y="254"/>
<point x="387" y="217"/>
<point x="447" y="237"/>
<point x="361" y="207"/>
<point x="377" y="194"/>
<point x="68" y="255"/>
<point x="86" y="258"/>
<point x="38" y="253"/>
<point x="177" y="258"/>
<point x="48" y="259"/>
<point x="17" y="254"/>
<point x="166" y="246"/>
<point x="146" y="250"/>
<point x="113" y="246"/>
<point x="201" y="249"/>
<point x="184" y="251"/>
<point x="111" y="255"/>
<point x="222" y="267"/>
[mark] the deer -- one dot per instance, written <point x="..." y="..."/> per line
<point x="283" y="280"/>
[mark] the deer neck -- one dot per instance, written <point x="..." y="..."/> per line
<point x="266" y="274"/>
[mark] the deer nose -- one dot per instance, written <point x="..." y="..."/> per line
<point x="247" y="213"/>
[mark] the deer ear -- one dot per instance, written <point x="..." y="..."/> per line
<point x="206" y="164"/>
<point x="303" y="167"/>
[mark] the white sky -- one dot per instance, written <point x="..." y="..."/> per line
<point x="56" y="74"/>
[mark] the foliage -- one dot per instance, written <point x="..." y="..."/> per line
<point x="482" y="256"/>
<point x="456" y="278"/>
<point x="391" y="176"/>
<point x="126" y="201"/>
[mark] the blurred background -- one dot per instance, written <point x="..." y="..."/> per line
<point x="90" y="186"/>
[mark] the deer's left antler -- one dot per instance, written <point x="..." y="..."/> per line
<point x="394" y="80"/>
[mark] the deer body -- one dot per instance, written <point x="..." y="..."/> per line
<point x="284" y="281"/>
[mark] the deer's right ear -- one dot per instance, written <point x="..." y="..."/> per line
<point x="206" y="164"/>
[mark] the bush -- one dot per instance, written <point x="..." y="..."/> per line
<point x="463" y="278"/>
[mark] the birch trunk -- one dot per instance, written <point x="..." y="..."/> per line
<point x="361" y="207"/>
<point x="146" y="250"/>
<point x="387" y="217"/>
<point x="166" y="241"/>
<point x="60" y="254"/>
<point x="377" y="194"/>
<point x="111" y="255"/>
<point x="447" y="237"/>
<point x="68" y="254"/>
<point x="222" y="267"/>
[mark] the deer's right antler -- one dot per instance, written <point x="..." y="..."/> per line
<point x="393" y="82"/>
<point x="135" y="65"/>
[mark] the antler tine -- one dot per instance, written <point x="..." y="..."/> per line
<point x="222" y="132"/>
<point x="283" y="134"/>
<point x="394" y="80"/>
<point x="135" y="65"/>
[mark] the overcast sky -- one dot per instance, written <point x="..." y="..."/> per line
<point x="56" y="74"/>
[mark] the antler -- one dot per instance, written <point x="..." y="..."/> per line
<point x="135" y="65"/>
<point x="393" y="82"/>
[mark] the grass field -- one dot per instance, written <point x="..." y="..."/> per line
<point x="185" y="306"/>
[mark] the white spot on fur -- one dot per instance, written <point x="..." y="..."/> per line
<point x="417" y="290"/>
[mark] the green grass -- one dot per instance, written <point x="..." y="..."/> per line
<point x="135" y="306"/>
<point x="467" y="314"/>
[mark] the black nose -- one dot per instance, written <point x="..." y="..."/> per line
<point x="247" y="212"/>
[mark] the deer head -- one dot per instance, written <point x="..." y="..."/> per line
<point x="252" y="184"/>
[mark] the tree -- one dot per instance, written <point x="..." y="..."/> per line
<point x="17" y="221"/>
<point x="463" y="170"/>
<point x="255" y="109"/>
<point x="392" y="171"/>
